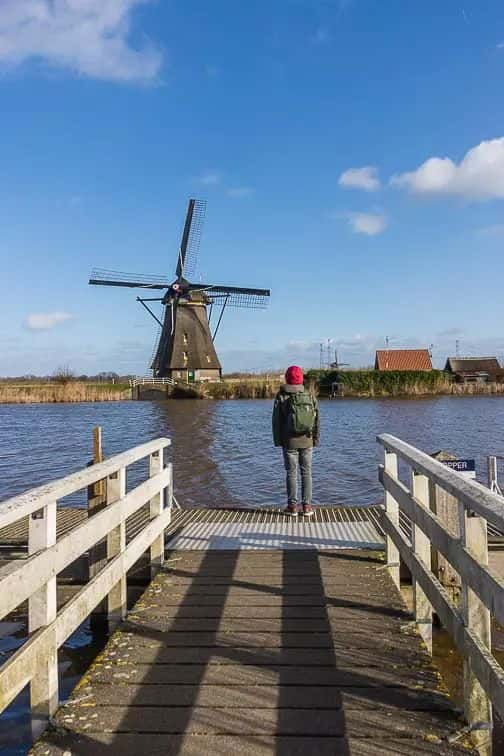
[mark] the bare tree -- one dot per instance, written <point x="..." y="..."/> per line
<point x="63" y="374"/>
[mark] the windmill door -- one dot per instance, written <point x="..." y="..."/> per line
<point x="190" y="376"/>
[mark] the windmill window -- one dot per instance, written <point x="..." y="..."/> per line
<point x="185" y="338"/>
<point x="186" y="356"/>
<point x="208" y="358"/>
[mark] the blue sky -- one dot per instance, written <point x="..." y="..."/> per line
<point x="351" y="153"/>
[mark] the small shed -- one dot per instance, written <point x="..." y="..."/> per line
<point x="475" y="369"/>
<point x="403" y="359"/>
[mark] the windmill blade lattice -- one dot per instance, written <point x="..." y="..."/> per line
<point x="155" y="347"/>
<point x="191" y="237"/>
<point x="103" y="277"/>
<point x="235" y="296"/>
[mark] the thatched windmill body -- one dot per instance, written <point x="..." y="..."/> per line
<point x="185" y="348"/>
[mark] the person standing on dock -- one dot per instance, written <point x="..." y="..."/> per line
<point x="296" y="428"/>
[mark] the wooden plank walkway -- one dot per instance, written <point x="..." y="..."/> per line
<point x="261" y="652"/>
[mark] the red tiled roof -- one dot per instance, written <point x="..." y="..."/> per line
<point x="403" y="359"/>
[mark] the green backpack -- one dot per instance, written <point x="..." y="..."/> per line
<point x="301" y="413"/>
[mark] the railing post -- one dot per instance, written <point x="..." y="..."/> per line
<point x="392" y="509"/>
<point x="477" y="705"/>
<point x="156" y="507"/>
<point x="42" y="608"/>
<point x="422" y="548"/>
<point x="492" y="474"/>
<point x="116" y="543"/>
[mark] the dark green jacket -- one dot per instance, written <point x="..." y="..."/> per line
<point x="282" y="436"/>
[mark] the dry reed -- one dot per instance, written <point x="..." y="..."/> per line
<point x="54" y="393"/>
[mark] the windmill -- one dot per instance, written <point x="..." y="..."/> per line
<point x="336" y="365"/>
<point x="185" y="348"/>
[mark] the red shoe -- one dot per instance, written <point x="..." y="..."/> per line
<point x="308" y="510"/>
<point x="292" y="510"/>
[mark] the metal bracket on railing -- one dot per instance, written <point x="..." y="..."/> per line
<point x="493" y="483"/>
<point x="475" y="727"/>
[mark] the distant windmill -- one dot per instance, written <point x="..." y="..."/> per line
<point x="185" y="348"/>
<point x="336" y="365"/>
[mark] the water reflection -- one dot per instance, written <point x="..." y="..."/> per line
<point x="194" y="428"/>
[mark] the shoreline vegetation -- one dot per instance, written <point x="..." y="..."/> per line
<point x="363" y="384"/>
<point x="54" y="393"/>
<point x="395" y="383"/>
<point x="323" y="383"/>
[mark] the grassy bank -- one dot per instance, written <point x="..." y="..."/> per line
<point x="351" y="383"/>
<point x="246" y="389"/>
<point x="372" y="383"/>
<point x="29" y="393"/>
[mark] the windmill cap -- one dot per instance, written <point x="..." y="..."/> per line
<point x="294" y="375"/>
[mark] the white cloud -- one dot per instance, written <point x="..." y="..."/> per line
<point x="43" y="321"/>
<point x="240" y="191"/>
<point x="500" y="46"/>
<point x="89" y="37"/>
<point x="478" y="176"/>
<point x="209" y="179"/>
<point x="361" y="178"/>
<point x="370" y="224"/>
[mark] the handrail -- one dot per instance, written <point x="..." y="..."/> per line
<point x="24" y="504"/>
<point x="36" y="662"/>
<point x="482" y="592"/>
<point x="474" y="497"/>
<point x="154" y="381"/>
<point x="21" y="578"/>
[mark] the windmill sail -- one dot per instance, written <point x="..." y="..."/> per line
<point x="234" y="296"/>
<point x="191" y="237"/>
<point x="103" y="277"/>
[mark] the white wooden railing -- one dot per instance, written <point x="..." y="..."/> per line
<point x="482" y="592"/>
<point x="149" y="381"/>
<point x="34" y="579"/>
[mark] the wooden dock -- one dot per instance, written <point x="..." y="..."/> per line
<point x="258" y="633"/>
<point x="261" y="652"/>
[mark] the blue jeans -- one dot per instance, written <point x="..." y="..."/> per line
<point x="292" y="459"/>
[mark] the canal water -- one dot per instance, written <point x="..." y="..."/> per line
<point x="222" y="450"/>
<point x="223" y="456"/>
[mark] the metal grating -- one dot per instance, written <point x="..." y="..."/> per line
<point x="329" y="528"/>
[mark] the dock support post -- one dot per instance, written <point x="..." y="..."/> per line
<point x="477" y="705"/>
<point x="97" y="500"/>
<point x="392" y="508"/>
<point x="42" y="607"/>
<point x="116" y="543"/>
<point x="444" y="505"/>
<point x="156" y="507"/>
<point x="422" y="548"/>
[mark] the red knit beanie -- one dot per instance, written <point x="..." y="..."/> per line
<point x="294" y="376"/>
